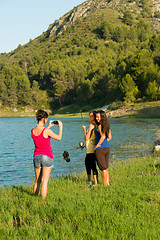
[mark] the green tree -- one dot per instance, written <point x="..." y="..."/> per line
<point x="127" y="17"/>
<point x="157" y="14"/>
<point x="144" y="30"/>
<point x="39" y="97"/>
<point x="144" y="2"/>
<point x="84" y="91"/>
<point x="9" y="74"/>
<point x="32" y="71"/>
<point x="12" y="92"/>
<point x="155" y="43"/>
<point x="119" y="34"/>
<point x="59" y="88"/>
<point x="129" y="88"/>
<point x="3" y="92"/>
<point x="153" y="90"/>
<point x="107" y="30"/>
<point x="35" y="93"/>
<point x="143" y="70"/>
<point x="146" y="13"/>
<point x="24" y="92"/>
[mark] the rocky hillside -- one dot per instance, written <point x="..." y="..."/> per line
<point x="91" y="6"/>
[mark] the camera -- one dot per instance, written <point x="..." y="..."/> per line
<point x="55" y="122"/>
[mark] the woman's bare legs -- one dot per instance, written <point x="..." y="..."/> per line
<point x="95" y="180"/>
<point x="45" y="177"/>
<point x="105" y="177"/>
<point x="38" y="173"/>
<point x="42" y="176"/>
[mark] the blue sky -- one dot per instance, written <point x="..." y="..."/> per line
<point x="22" y="20"/>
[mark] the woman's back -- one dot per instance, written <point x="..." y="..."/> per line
<point x="105" y="143"/>
<point x="90" y="143"/>
<point x="42" y="144"/>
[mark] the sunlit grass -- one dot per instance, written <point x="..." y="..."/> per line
<point x="127" y="209"/>
<point x="119" y="109"/>
<point x="136" y="146"/>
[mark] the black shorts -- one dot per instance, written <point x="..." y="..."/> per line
<point x="90" y="163"/>
<point x="102" y="156"/>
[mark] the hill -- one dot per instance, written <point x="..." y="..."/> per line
<point x="98" y="53"/>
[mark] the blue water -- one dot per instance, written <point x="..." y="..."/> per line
<point x="16" y="146"/>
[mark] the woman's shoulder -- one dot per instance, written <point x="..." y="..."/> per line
<point x="47" y="131"/>
<point x="32" y="130"/>
<point x="99" y="127"/>
<point x="92" y="124"/>
<point x="37" y="132"/>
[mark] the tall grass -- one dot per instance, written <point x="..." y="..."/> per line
<point x="128" y="209"/>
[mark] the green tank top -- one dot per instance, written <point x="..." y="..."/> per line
<point x="90" y="143"/>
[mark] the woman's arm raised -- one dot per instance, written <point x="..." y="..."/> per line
<point x="84" y="129"/>
<point x="88" y="133"/>
<point x="53" y="135"/>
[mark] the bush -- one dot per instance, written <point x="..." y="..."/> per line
<point x="115" y="105"/>
<point x="129" y="88"/>
<point x="127" y="18"/>
<point x="73" y="108"/>
<point x="153" y="91"/>
<point x="157" y="14"/>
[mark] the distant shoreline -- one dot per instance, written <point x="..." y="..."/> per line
<point x="136" y="110"/>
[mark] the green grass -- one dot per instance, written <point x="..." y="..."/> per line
<point x="134" y="110"/>
<point x="137" y="146"/>
<point x="128" y="209"/>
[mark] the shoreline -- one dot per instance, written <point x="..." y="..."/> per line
<point x="136" y="110"/>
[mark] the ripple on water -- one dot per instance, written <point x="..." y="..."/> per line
<point x="130" y="138"/>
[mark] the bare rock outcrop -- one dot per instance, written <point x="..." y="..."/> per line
<point x="91" y="6"/>
<point x="69" y="18"/>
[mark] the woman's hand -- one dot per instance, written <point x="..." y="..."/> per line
<point x="60" y="124"/>
<point x="97" y="146"/>
<point x="52" y="134"/>
<point x="84" y="127"/>
<point x="50" y="124"/>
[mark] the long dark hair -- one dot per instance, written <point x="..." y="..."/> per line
<point x="104" y="122"/>
<point x="94" y="114"/>
<point x="41" y="114"/>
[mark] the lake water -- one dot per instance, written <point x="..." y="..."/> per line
<point x="130" y="138"/>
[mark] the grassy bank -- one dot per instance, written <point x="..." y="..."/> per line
<point x="136" y="110"/>
<point x="128" y="209"/>
<point x="15" y="112"/>
<point x="116" y="109"/>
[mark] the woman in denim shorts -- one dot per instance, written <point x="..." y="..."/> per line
<point x="43" y="156"/>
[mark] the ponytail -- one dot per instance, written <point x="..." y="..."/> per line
<point x="41" y="114"/>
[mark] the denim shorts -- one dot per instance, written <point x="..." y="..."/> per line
<point x="42" y="161"/>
